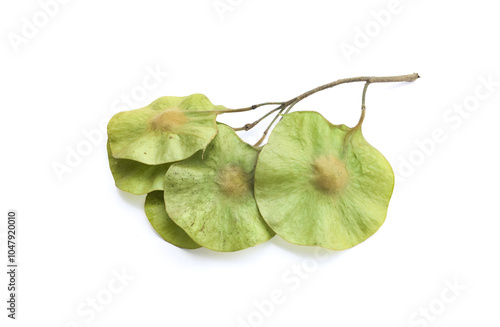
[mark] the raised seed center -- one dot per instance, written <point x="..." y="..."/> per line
<point x="330" y="174"/>
<point x="169" y="120"/>
<point x="233" y="181"/>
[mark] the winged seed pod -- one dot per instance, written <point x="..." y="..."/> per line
<point x="164" y="226"/>
<point x="210" y="195"/>
<point x="135" y="177"/>
<point x="313" y="183"/>
<point x="169" y="129"/>
<point x="322" y="184"/>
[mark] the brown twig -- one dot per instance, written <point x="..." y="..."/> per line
<point x="286" y="106"/>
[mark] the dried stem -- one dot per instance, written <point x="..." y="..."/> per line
<point x="268" y="128"/>
<point x="363" y="107"/>
<point x="250" y="126"/>
<point x="255" y="106"/>
<point x="286" y="106"/>
<point x="367" y="79"/>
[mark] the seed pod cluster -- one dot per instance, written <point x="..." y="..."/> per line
<point x="313" y="183"/>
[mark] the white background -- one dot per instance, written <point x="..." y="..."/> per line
<point x="62" y="79"/>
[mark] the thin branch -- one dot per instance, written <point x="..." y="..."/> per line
<point x="367" y="79"/>
<point x="255" y="106"/>
<point x="267" y="129"/>
<point x="248" y="127"/>
<point x="291" y="106"/>
<point x="363" y="107"/>
<point x="288" y="105"/>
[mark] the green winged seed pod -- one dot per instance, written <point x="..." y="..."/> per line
<point x="169" y="129"/>
<point x="322" y="184"/>
<point x="210" y="195"/>
<point x="164" y="226"/>
<point x="135" y="177"/>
